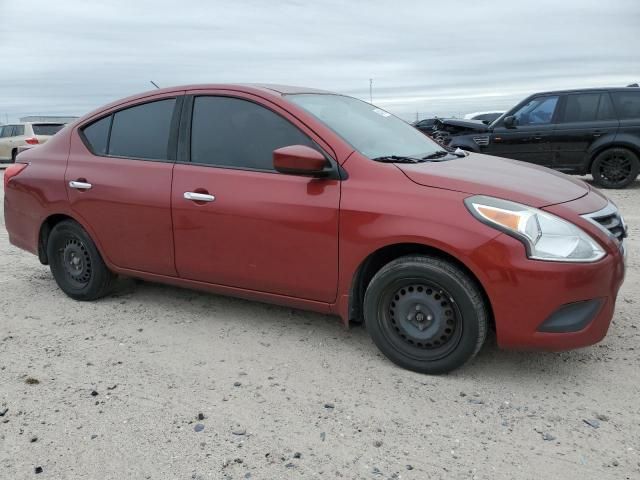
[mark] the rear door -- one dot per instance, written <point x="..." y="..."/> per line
<point x="585" y="119"/>
<point x="6" y="141"/>
<point x="259" y="229"/>
<point x="118" y="180"/>
<point x="530" y="139"/>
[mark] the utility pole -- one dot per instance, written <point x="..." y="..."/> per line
<point x="154" y="84"/>
<point x="371" y="90"/>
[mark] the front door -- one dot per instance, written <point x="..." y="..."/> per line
<point x="118" y="181"/>
<point x="249" y="226"/>
<point x="530" y="139"/>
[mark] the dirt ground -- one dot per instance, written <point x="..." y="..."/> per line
<point x="113" y="390"/>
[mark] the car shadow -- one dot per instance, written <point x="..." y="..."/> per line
<point x="491" y="362"/>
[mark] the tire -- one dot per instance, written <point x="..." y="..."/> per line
<point x="76" y="264"/>
<point x="453" y="324"/>
<point x="615" y="168"/>
<point x="14" y="154"/>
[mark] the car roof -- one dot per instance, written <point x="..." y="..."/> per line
<point x="255" y="88"/>
<point x="587" y="90"/>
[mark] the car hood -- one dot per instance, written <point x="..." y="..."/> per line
<point x="462" y="125"/>
<point x="479" y="174"/>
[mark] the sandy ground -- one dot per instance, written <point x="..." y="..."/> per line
<point x="290" y="394"/>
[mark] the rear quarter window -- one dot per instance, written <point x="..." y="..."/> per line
<point x="627" y="104"/>
<point x="96" y="135"/>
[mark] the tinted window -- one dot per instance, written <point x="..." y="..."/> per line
<point x="18" y="130"/>
<point x="142" y="131"/>
<point x="238" y="133"/>
<point x="6" y="131"/>
<point x="538" y="111"/>
<point x="46" y="128"/>
<point x="581" y="107"/>
<point x="627" y="104"/>
<point x="605" y="109"/>
<point x="97" y="135"/>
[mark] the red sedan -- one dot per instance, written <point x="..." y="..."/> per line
<point x="323" y="202"/>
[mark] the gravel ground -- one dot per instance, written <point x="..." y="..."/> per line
<point x="114" y="389"/>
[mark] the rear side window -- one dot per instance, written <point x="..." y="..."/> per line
<point x="46" y="128"/>
<point x="237" y="133"/>
<point x="605" y="109"/>
<point x="97" y="135"/>
<point x="627" y="104"/>
<point x="18" y="130"/>
<point x="142" y="131"/>
<point x="582" y="107"/>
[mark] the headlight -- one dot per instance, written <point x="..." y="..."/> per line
<point x="545" y="236"/>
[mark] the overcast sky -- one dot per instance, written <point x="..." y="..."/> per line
<point x="446" y="57"/>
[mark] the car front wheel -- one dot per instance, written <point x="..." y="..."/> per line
<point x="76" y="263"/>
<point x="426" y="314"/>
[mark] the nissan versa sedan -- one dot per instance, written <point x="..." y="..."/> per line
<point x="323" y="202"/>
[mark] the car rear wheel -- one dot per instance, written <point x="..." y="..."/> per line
<point x="14" y="154"/>
<point x="76" y="263"/>
<point x="615" y="168"/>
<point x="425" y="314"/>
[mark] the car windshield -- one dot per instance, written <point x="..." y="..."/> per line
<point x="372" y="131"/>
<point x="47" y="128"/>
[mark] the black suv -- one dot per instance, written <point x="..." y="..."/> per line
<point x="593" y="131"/>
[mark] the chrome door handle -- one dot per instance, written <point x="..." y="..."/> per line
<point x="80" y="185"/>
<point x="199" y="197"/>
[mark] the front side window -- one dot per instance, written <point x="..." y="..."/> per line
<point x="627" y="104"/>
<point x="7" y="131"/>
<point x="232" y="132"/>
<point x="142" y="131"/>
<point x="538" y="111"/>
<point x="370" y="130"/>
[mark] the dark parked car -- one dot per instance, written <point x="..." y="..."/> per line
<point x="425" y="125"/>
<point x="319" y="201"/>
<point x="593" y="131"/>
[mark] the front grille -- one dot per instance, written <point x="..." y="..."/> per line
<point x="609" y="220"/>
<point x="482" y="141"/>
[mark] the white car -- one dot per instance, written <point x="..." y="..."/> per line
<point x="485" y="117"/>
<point x="17" y="135"/>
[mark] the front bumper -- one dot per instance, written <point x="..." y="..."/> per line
<point x="526" y="294"/>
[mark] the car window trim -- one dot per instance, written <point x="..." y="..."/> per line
<point x="173" y="130"/>
<point x="184" y="141"/>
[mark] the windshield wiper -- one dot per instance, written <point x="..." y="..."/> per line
<point x="436" y="154"/>
<point x="398" y="159"/>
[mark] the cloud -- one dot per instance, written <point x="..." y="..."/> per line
<point x="433" y="57"/>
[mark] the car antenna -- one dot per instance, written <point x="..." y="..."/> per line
<point x="154" y="84"/>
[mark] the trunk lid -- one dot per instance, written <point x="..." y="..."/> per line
<point x="479" y="174"/>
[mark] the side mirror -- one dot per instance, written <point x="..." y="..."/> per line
<point x="299" y="160"/>
<point x="509" y="121"/>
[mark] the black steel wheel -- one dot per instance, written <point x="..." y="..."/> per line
<point x="76" y="263"/>
<point x="615" y="168"/>
<point x="425" y="314"/>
